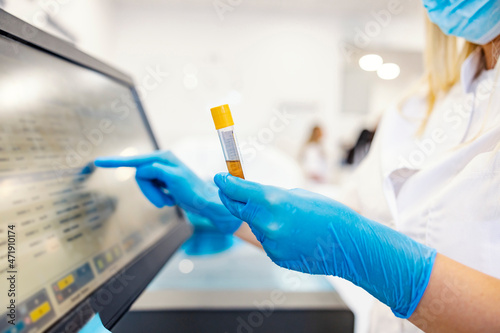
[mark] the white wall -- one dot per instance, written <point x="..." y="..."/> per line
<point x="87" y="20"/>
<point x="254" y="62"/>
<point x="256" y="59"/>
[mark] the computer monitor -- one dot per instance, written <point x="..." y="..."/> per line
<point x="74" y="240"/>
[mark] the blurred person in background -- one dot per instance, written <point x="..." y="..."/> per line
<point x="313" y="157"/>
<point x="431" y="180"/>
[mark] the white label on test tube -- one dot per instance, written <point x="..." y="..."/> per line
<point x="230" y="145"/>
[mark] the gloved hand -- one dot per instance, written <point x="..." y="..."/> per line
<point x="166" y="181"/>
<point x="310" y="233"/>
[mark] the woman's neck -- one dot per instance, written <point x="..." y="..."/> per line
<point x="492" y="52"/>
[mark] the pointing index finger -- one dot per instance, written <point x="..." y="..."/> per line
<point x="132" y="161"/>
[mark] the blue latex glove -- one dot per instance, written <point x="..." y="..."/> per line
<point x="310" y="233"/>
<point x="166" y="181"/>
<point x="94" y="326"/>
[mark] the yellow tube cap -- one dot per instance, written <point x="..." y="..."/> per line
<point x="222" y="116"/>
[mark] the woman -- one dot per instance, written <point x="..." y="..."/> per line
<point x="434" y="161"/>
<point x="313" y="157"/>
<point x="432" y="174"/>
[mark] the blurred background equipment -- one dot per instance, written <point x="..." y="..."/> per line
<point x="355" y="154"/>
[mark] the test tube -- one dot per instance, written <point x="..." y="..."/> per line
<point x="225" y="128"/>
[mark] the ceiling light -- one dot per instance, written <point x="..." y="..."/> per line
<point x="370" y="62"/>
<point x="388" y="71"/>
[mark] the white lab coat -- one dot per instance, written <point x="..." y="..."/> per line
<point x="314" y="163"/>
<point x="443" y="188"/>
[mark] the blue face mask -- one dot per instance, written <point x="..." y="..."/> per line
<point x="477" y="21"/>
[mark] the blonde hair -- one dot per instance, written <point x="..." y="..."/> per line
<point x="443" y="59"/>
